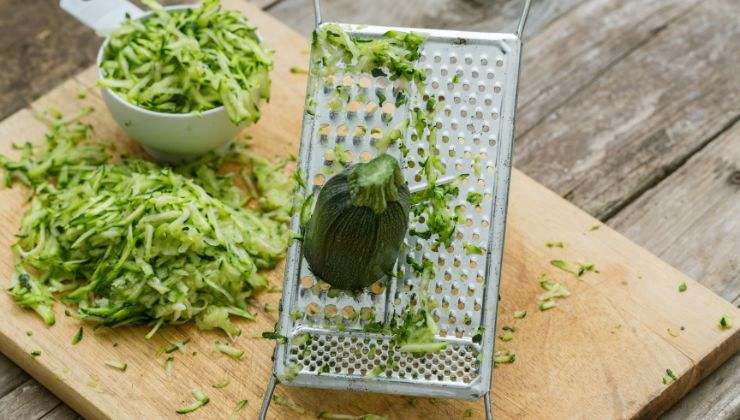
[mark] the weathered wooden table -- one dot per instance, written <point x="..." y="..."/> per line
<point x="628" y="108"/>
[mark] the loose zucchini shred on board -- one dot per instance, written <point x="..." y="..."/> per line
<point x="173" y="347"/>
<point x="201" y="399"/>
<point x="286" y="402"/>
<point x="228" y="350"/>
<point x="237" y="409"/>
<point x="131" y="241"/>
<point x="725" y="322"/>
<point x="553" y="291"/>
<point x="168" y="364"/>
<point x="503" y="357"/>
<point x="116" y="364"/>
<point x="222" y="384"/>
<point x="78" y="336"/>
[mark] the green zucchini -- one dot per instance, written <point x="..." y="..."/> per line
<point x="354" y="235"/>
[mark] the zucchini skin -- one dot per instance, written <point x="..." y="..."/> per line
<point x="349" y="246"/>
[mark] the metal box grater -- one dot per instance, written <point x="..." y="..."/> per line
<point x="475" y="123"/>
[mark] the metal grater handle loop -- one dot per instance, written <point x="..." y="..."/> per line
<point x="519" y="29"/>
<point x="522" y="19"/>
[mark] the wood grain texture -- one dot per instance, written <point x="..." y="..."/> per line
<point x="262" y="4"/>
<point x="644" y="116"/>
<point x="578" y="49"/>
<point x="11" y="376"/>
<point x="47" y="46"/>
<point x="716" y="397"/>
<point x="474" y="15"/>
<point x="695" y="227"/>
<point x="61" y="412"/>
<point x="607" y="343"/>
<point x="42" y="58"/>
<point x="690" y="220"/>
<point x="28" y="401"/>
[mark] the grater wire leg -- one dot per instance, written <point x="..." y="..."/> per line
<point x="522" y="19"/>
<point x="268" y="397"/>
<point x="317" y="13"/>
<point x="487" y="405"/>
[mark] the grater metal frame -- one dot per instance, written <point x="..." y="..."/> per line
<point x="511" y="45"/>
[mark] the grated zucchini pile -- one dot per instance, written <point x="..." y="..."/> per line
<point x="134" y="242"/>
<point x="189" y="61"/>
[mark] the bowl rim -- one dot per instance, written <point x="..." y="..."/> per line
<point x="118" y="98"/>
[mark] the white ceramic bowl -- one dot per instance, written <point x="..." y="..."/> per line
<point x="170" y="137"/>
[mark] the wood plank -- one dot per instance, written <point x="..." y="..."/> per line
<point x="716" y="397"/>
<point x="497" y="16"/>
<point x="11" y="376"/>
<point x="577" y="49"/>
<point x="691" y="220"/>
<point x="61" y="412"/>
<point x="35" y="57"/>
<point x="643" y="116"/>
<point x="28" y="401"/>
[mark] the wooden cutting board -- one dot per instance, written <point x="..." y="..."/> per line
<point x="601" y="353"/>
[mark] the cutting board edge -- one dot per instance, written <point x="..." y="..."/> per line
<point x="45" y="376"/>
<point x="698" y="371"/>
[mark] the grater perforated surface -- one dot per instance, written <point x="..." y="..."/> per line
<point x="474" y="135"/>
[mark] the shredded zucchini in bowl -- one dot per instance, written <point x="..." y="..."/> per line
<point x="188" y="60"/>
<point x="131" y="241"/>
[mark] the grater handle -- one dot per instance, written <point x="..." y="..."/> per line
<point x="487" y="397"/>
<point x="317" y="12"/>
<point x="519" y="28"/>
<point x="267" y="397"/>
<point x="522" y="19"/>
<point x="103" y="16"/>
